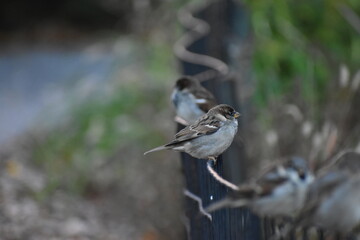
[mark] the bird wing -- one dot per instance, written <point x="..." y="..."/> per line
<point x="267" y="188"/>
<point x="204" y="126"/>
<point x="318" y="192"/>
<point x="238" y="198"/>
<point x="204" y="99"/>
<point x="261" y="188"/>
<point x="245" y="191"/>
<point x="269" y="180"/>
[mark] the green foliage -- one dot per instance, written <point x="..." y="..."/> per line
<point x="96" y="130"/>
<point x="100" y="126"/>
<point x="301" y="41"/>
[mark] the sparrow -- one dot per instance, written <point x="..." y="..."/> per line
<point x="207" y="137"/>
<point x="279" y="192"/>
<point x="333" y="199"/>
<point x="191" y="100"/>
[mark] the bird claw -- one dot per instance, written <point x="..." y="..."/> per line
<point x="213" y="160"/>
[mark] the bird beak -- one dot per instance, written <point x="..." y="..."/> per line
<point x="236" y="115"/>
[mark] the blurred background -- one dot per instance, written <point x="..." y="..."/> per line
<point x="84" y="91"/>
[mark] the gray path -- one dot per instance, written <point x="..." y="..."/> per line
<point x="36" y="78"/>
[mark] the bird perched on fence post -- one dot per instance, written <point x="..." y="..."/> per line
<point x="191" y="100"/>
<point x="279" y="192"/>
<point x="209" y="136"/>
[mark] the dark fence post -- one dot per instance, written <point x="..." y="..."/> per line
<point x="226" y="224"/>
<point x="228" y="19"/>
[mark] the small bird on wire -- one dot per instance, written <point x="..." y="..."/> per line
<point x="279" y="191"/>
<point x="209" y="136"/>
<point x="191" y="100"/>
<point x="333" y="200"/>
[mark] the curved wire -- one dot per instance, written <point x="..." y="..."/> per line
<point x="197" y="29"/>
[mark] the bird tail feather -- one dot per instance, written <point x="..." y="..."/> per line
<point x="218" y="205"/>
<point x="227" y="202"/>
<point x="156" y="149"/>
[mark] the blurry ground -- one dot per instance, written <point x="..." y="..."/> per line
<point x="75" y="122"/>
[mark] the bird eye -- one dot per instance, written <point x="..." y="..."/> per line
<point x="302" y="175"/>
<point x="229" y="115"/>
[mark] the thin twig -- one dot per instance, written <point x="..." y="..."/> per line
<point x="186" y="222"/>
<point x="219" y="178"/>
<point x="331" y="162"/>
<point x="199" y="201"/>
<point x="350" y="16"/>
<point x="181" y="121"/>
